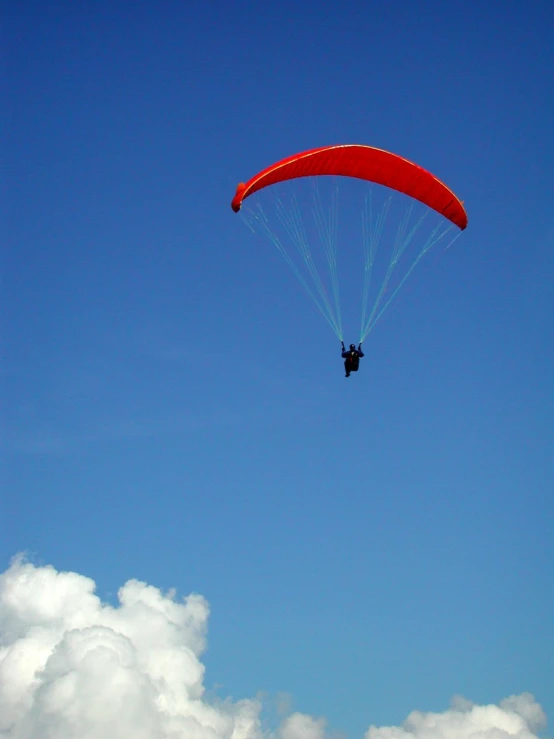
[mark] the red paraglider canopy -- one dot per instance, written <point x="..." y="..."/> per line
<point x="364" y="163"/>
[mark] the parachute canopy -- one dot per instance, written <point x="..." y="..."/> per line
<point x="405" y="213"/>
<point x="364" y="163"/>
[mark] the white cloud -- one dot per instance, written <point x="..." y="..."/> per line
<point x="72" y="667"/>
<point x="302" y="726"/>
<point x="517" y="717"/>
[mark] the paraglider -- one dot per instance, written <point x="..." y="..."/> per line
<point x="392" y="237"/>
<point x="351" y="358"/>
<point x="364" y="163"/>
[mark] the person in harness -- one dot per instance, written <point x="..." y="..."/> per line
<point x="351" y="358"/>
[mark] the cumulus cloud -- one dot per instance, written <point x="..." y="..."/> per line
<point x="73" y="667"/>
<point x="517" y="717"/>
<point x="302" y="726"/>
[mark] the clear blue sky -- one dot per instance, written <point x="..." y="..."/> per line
<point x="174" y="407"/>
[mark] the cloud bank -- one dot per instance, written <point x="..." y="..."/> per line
<point x="72" y="667"/>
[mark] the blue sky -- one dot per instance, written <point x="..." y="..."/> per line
<point x="174" y="407"/>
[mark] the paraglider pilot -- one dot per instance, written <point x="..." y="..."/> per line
<point x="351" y="358"/>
